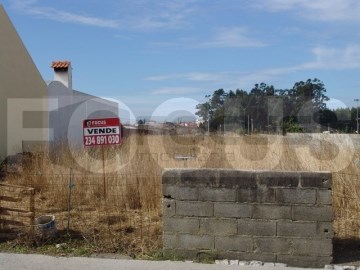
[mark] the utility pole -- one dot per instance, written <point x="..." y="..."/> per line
<point x="244" y="119"/>
<point x="248" y="124"/>
<point x="208" y="112"/>
<point x="208" y="122"/>
<point x="224" y="117"/>
<point x="357" y="116"/>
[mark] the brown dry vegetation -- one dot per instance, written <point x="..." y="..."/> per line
<point x="129" y="219"/>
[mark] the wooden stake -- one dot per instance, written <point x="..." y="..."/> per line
<point x="104" y="173"/>
<point x="71" y="185"/>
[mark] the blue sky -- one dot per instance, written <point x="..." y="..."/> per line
<point x="159" y="56"/>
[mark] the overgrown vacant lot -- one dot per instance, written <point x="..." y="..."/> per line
<point x="120" y="211"/>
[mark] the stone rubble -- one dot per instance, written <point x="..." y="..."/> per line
<point x="253" y="263"/>
<point x="267" y="264"/>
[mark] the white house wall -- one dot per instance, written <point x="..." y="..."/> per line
<point x="27" y="116"/>
<point x="73" y="108"/>
<point x="21" y="88"/>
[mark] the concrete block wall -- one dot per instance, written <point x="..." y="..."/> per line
<point x="249" y="215"/>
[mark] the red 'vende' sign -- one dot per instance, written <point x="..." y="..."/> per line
<point x="104" y="131"/>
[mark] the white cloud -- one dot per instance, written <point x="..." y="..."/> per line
<point x="233" y="37"/>
<point x="222" y="79"/>
<point x="30" y="7"/>
<point x="138" y="15"/>
<point x="236" y="37"/>
<point x="331" y="58"/>
<point x="161" y="15"/>
<point x="163" y="77"/>
<point x="324" y="10"/>
<point x="149" y="15"/>
<point x="205" y="76"/>
<point x="176" y="90"/>
<point x="86" y="20"/>
<point x="324" y="59"/>
<point x="191" y="76"/>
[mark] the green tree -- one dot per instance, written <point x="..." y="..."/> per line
<point x="213" y="109"/>
<point x="304" y="101"/>
<point x="327" y="118"/>
<point x="311" y="91"/>
<point x="291" y="124"/>
<point x="306" y="97"/>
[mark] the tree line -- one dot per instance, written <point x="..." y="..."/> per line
<point x="266" y="109"/>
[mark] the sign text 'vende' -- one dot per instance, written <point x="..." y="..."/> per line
<point x="101" y="131"/>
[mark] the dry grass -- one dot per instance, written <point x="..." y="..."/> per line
<point x="129" y="219"/>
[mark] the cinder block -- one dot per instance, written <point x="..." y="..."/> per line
<point x="199" y="177"/>
<point x="234" y="243"/>
<point x="183" y="225"/>
<point x="170" y="176"/>
<point x="217" y="194"/>
<point x="324" y="196"/>
<point x="189" y="241"/>
<point x="296" y="196"/>
<point x="235" y="210"/>
<point x="272" y="245"/>
<point x="257" y="195"/>
<point x="180" y="192"/>
<point x="242" y="215"/>
<point x="297" y="229"/>
<point x="278" y="179"/>
<point x="313" y="213"/>
<point x="321" y="247"/>
<point x="305" y="229"/>
<point x="194" y="209"/>
<point x="325" y="230"/>
<point x="236" y="179"/>
<point x="211" y="226"/>
<point x="271" y="212"/>
<point x="257" y="227"/>
<point x="304" y="261"/>
<point x="316" y="179"/>
<point x="169" y="207"/>
<point x="170" y="240"/>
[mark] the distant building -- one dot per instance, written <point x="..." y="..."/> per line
<point x="200" y="121"/>
<point x="152" y="123"/>
<point x="188" y="124"/>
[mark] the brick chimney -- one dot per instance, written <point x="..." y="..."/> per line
<point x="63" y="73"/>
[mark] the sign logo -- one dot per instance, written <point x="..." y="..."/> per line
<point x="105" y="131"/>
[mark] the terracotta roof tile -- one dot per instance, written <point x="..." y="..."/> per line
<point x="60" y="64"/>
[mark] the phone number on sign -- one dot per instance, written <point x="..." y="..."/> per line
<point x="101" y="140"/>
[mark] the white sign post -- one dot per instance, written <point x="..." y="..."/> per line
<point x="100" y="132"/>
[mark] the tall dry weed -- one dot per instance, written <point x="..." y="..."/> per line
<point x="121" y="209"/>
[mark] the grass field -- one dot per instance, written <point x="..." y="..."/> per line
<point x="120" y="211"/>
